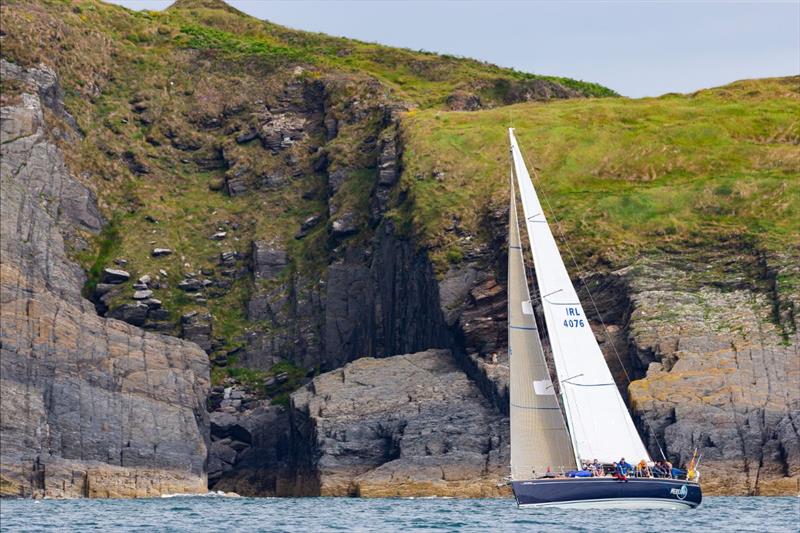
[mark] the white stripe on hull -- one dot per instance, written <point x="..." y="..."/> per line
<point x="615" y="503"/>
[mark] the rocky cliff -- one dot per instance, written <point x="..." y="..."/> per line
<point x="90" y="406"/>
<point x="408" y="425"/>
<point x="291" y="203"/>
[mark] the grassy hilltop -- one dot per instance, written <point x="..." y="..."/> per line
<point x="623" y="176"/>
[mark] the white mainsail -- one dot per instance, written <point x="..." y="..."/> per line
<point x="539" y="437"/>
<point x="599" y="423"/>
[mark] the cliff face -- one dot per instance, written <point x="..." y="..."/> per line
<point x="291" y="203"/>
<point x="90" y="406"/>
<point x="408" y="425"/>
<point x="722" y="370"/>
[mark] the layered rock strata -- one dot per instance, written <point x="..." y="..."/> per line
<point x="408" y="425"/>
<point x="90" y="406"/>
<point x="709" y="339"/>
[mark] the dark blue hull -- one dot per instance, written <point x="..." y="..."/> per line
<point x="635" y="493"/>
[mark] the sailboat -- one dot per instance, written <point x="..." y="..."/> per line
<point x="556" y="431"/>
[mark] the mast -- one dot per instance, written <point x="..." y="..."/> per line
<point x="539" y="437"/>
<point x="600" y="425"/>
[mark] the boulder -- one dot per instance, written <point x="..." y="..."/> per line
<point x="190" y="284"/>
<point x="157" y="314"/>
<point x="113" y="276"/>
<point x="152" y="303"/>
<point x="307" y="225"/>
<point x="228" y="257"/>
<point x="247" y="136"/>
<point x="142" y="294"/>
<point x="134" y="314"/>
<point x="344" y="225"/>
<point x="159" y="252"/>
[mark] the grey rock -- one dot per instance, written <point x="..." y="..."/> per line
<point x="261" y="439"/>
<point x="395" y="426"/>
<point x="336" y="179"/>
<point x="246" y="136"/>
<point x="159" y="252"/>
<point x="152" y="303"/>
<point x="197" y="328"/>
<point x="102" y="288"/>
<point x="157" y="314"/>
<point x="84" y="361"/>
<point x="236" y="185"/>
<point x="268" y="260"/>
<point x="344" y="225"/>
<point x="142" y="294"/>
<point x="190" y="284"/>
<point x="114" y="276"/>
<point x="307" y="225"/>
<point x="134" y="314"/>
<point x="310" y="222"/>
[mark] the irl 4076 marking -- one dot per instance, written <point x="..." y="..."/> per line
<point x="575" y="322"/>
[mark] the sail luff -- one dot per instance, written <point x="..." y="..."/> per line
<point x="539" y="437"/>
<point x="600" y="425"/>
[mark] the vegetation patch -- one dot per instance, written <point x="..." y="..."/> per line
<point x="617" y="176"/>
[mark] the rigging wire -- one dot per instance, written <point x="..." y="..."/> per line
<point x="586" y="286"/>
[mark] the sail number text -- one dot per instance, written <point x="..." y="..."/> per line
<point x="574" y="320"/>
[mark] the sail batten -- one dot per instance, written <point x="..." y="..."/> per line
<point x="539" y="437"/>
<point x="600" y="426"/>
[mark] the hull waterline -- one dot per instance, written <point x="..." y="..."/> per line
<point x="606" y="493"/>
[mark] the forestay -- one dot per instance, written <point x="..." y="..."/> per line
<point x="600" y="425"/>
<point x="539" y="438"/>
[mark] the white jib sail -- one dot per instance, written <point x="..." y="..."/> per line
<point x="539" y="437"/>
<point x="600" y="425"/>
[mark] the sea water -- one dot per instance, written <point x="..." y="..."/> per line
<point x="223" y="514"/>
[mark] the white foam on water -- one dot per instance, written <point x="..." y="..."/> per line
<point x="210" y="494"/>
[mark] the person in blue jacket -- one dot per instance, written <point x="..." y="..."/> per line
<point x="623" y="467"/>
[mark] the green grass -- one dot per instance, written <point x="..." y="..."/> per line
<point x="105" y="246"/>
<point x="255" y="380"/>
<point x="236" y="46"/>
<point x="623" y="176"/>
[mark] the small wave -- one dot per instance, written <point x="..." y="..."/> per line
<point x="210" y="494"/>
<point x="427" y="498"/>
